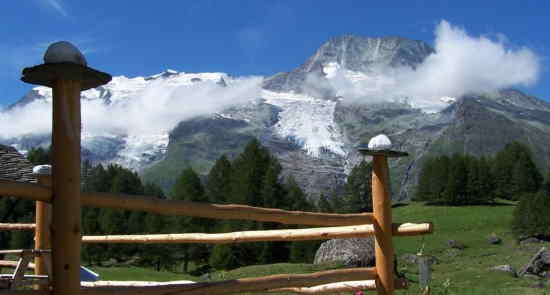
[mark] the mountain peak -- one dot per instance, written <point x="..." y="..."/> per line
<point x="365" y="54"/>
<point x="355" y="53"/>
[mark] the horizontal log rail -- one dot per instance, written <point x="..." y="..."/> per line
<point x="27" y="191"/>
<point x="26" y="251"/>
<point x="37" y="192"/>
<point x="216" y="211"/>
<point x="226" y="287"/>
<point x="332" y="288"/>
<point x="241" y="285"/>
<point x="17" y="226"/>
<point x="324" y="233"/>
<point x="25" y="292"/>
<point x="9" y="263"/>
<point x="132" y="284"/>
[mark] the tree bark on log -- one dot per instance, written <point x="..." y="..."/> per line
<point x="332" y="288"/>
<point x="17" y="226"/>
<point x="240" y="285"/>
<point x="324" y="233"/>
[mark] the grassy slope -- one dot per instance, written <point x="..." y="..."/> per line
<point x="465" y="272"/>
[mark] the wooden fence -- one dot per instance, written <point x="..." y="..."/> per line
<point x="59" y="200"/>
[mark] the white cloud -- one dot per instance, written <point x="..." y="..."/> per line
<point x="155" y="109"/>
<point x="461" y="64"/>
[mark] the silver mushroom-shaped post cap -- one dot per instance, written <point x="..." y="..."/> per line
<point x="380" y="142"/>
<point x="381" y="145"/>
<point x="63" y="61"/>
<point x="42" y="170"/>
<point x="64" y="51"/>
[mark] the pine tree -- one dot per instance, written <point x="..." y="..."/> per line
<point x="188" y="187"/>
<point x="158" y="255"/>
<point x="531" y="218"/>
<point x="486" y="181"/>
<point x="455" y="191"/>
<point x="218" y="185"/>
<point x="546" y="184"/>
<point x="300" y="251"/>
<point x="515" y="172"/>
<point x="39" y="156"/>
<point x="273" y="196"/>
<point x="249" y="170"/>
<point x="358" y="196"/>
<point x="223" y="257"/>
<point x="324" y="205"/>
<point x="474" y="192"/>
<point x="426" y="176"/>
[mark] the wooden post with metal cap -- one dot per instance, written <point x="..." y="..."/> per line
<point x="379" y="148"/>
<point x="42" y="232"/>
<point x="65" y="70"/>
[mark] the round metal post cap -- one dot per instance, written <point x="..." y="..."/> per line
<point x="42" y="170"/>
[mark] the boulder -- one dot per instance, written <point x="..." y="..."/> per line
<point x="413" y="258"/>
<point x="505" y="268"/>
<point x="538" y="265"/>
<point x="494" y="240"/>
<point x="354" y="252"/>
<point x="530" y="240"/>
<point x="456" y="244"/>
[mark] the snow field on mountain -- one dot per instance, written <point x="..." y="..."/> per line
<point x="307" y="121"/>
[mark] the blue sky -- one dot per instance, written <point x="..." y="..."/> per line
<point x="137" y="38"/>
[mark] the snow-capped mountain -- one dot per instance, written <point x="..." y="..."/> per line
<point x="118" y="142"/>
<point x="312" y="118"/>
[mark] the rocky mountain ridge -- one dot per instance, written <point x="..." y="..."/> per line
<point x="304" y="119"/>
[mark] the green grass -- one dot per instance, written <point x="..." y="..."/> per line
<point x="462" y="272"/>
<point x="139" y="274"/>
<point x="466" y="272"/>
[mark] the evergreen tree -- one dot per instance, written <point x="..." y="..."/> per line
<point x="531" y="218"/>
<point x="358" y="196"/>
<point x="273" y="196"/>
<point x="223" y="257"/>
<point x="219" y="181"/>
<point x="188" y="187"/>
<point x="546" y="184"/>
<point x="249" y="171"/>
<point x="474" y="186"/>
<point x="424" y="187"/>
<point x="515" y="172"/>
<point x="457" y="179"/>
<point x="300" y="251"/>
<point x="39" y="156"/>
<point x="126" y="181"/>
<point x="485" y="179"/>
<point x="159" y="255"/>
<point x="433" y="180"/>
<point x="324" y="205"/>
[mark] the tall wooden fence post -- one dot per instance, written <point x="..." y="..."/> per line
<point x="382" y="211"/>
<point x="381" y="205"/>
<point x="66" y="72"/>
<point x="43" y="220"/>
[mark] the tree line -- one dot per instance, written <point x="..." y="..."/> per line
<point x="467" y="180"/>
<point x="252" y="178"/>
<point x="511" y="175"/>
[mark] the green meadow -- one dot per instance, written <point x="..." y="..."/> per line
<point x="457" y="271"/>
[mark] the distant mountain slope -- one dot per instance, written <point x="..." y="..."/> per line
<point x="312" y="126"/>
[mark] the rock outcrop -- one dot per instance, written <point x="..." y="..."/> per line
<point x="355" y="252"/>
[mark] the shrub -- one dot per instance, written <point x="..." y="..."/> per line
<point x="531" y="218"/>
